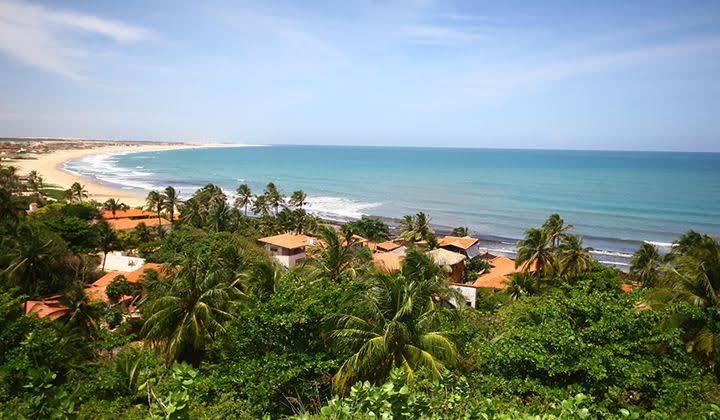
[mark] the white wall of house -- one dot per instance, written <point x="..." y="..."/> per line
<point x="290" y="260"/>
<point x="470" y="293"/>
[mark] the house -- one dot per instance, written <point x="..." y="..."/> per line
<point x="131" y="224"/>
<point x="128" y="214"/>
<point x="496" y="278"/>
<point x="47" y="307"/>
<point x="454" y="261"/>
<point x="97" y="290"/>
<point x="387" y="262"/>
<point x="118" y="261"/>
<point x="288" y="248"/>
<point x="462" y="244"/>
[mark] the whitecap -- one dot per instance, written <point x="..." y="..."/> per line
<point x="337" y="208"/>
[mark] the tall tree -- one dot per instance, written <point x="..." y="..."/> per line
<point x="155" y="201"/>
<point x="113" y="205"/>
<point x="535" y="249"/>
<point x="416" y="228"/>
<point x="186" y="316"/>
<point x="555" y="228"/>
<point x="107" y="239"/>
<point x="298" y="199"/>
<point x="397" y="325"/>
<point x="274" y="197"/>
<point x="574" y="260"/>
<point x="77" y="192"/>
<point x="261" y="205"/>
<point x="34" y="262"/>
<point x="244" y="197"/>
<point x="693" y="276"/>
<point x="35" y="181"/>
<point x="337" y="259"/>
<point x="171" y="202"/>
<point x="460" y="231"/>
<point x="369" y="227"/>
<point x="645" y="265"/>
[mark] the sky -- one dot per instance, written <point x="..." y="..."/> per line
<point x="626" y="75"/>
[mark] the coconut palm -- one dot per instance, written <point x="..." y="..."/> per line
<point x="82" y="313"/>
<point x="76" y="192"/>
<point x="261" y="278"/>
<point x="555" y="228"/>
<point x="337" y="259"/>
<point x="274" y="197"/>
<point x="186" y="316"/>
<point x="416" y="228"/>
<point x="298" y="199"/>
<point x="535" y="249"/>
<point x="645" y="264"/>
<point x="106" y="237"/>
<point x="520" y="285"/>
<point x="156" y="202"/>
<point x="397" y="326"/>
<point x="9" y="178"/>
<point x="244" y="197"/>
<point x="218" y="216"/>
<point x="261" y="205"/>
<point x="33" y="263"/>
<point x="693" y="276"/>
<point x="34" y="180"/>
<point x="574" y="260"/>
<point x="460" y="231"/>
<point x="113" y="205"/>
<point x="171" y="202"/>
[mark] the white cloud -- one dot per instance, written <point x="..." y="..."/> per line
<point x="441" y="35"/>
<point x="47" y="39"/>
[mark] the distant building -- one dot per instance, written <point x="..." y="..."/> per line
<point x="453" y="261"/>
<point x="494" y="279"/>
<point x="462" y="244"/>
<point x="288" y="248"/>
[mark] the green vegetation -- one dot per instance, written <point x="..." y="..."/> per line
<point x="223" y="331"/>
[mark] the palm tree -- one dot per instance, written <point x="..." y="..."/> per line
<point x="76" y="192"/>
<point x="555" y="228"/>
<point x="156" y="202"/>
<point x="34" y="180"/>
<point x="218" y="216"/>
<point x="9" y="178"/>
<point x="171" y="202"/>
<point x="298" y="199"/>
<point x="573" y="259"/>
<point x="113" y="205"/>
<point x="693" y="275"/>
<point x="460" y="231"/>
<point x="273" y="196"/>
<point x="186" y="316"/>
<point x="244" y="197"/>
<point x="336" y="258"/>
<point x="142" y="233"/>
<point x="34" y="261"/>
<point x="261" y="205"/>
<point x="397" y="326"/>
<point x="645" y="264"/>
<point x="106" y="237"/>
<point x="261" y="278"/>
<point x="520" y="285"/>
<point x="535" y="249"/>
<point x="416" y="228"/>
<point x="82" y="314"/>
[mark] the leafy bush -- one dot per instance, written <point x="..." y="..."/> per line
<point x="118" y="288"/>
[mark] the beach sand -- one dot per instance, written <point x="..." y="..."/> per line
<point x="49" y="166"/>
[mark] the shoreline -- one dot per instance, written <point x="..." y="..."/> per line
<point x="50" y="166"/>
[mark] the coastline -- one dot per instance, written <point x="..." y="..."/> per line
<point x="50" y="167"/>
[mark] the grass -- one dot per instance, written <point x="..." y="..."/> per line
<point x="55" y="193"/>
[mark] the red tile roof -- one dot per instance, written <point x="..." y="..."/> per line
<point x="498" y="276"/>
<point x="289" y="240"/>
<point x="129" y="224"/>
<point x="97" y="291"/>
<point x="462" y="242"/>
<point x="129" y="213"/>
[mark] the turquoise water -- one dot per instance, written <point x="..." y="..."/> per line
<point x="616" y="199"/>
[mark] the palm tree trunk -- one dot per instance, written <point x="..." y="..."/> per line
<point x="104" y="259"/>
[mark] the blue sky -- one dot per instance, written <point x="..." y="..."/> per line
<point x="626" y="75"/>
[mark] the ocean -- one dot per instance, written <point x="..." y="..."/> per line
<point x="616" y="200"/>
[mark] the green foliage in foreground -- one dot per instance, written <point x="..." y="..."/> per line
<point x="264" y="341"/>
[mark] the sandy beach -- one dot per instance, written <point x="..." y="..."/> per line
<point x="49" y="166"/>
